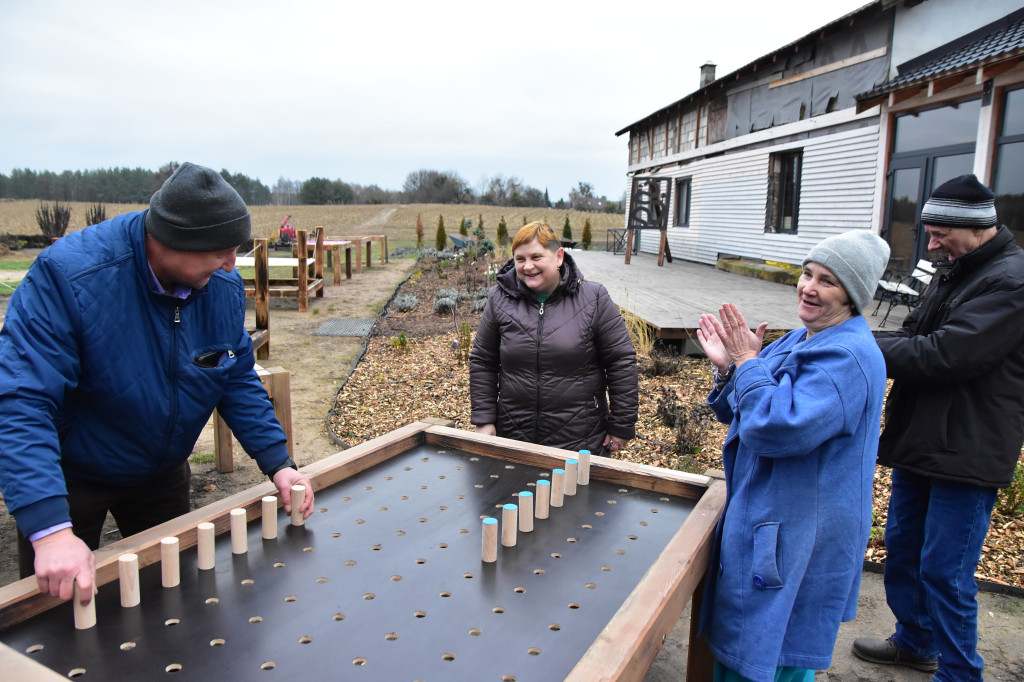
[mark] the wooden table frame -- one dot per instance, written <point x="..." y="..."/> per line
<point x="332" y="249"/>
<point x="307" y="278"/>
<point x="626" y="646"/>
<point x="368" y="239"/>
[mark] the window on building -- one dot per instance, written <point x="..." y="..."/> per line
<point x="783" y="191"/>
<point x="682" y="202"/>
<point x="1008" y="179"/>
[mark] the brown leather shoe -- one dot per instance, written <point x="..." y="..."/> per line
<point x="886" y="652"/>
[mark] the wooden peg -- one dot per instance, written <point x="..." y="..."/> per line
<point x="128" y="578"/>
<point x="206" y="534"/>
<point x="85" y="614"/>
<point x="543" y="499"/>
<point x="583" y="472"/>
<point x="170" y="568"/>
<point x="557" y="487"/>
<point x="526" y="511"/>
<point x="570" y="476"/>
<point x="509" y="522"/>
<point x="298" y="497"/>
<point x="239" y="532"/>
<point x="269" y="517"/>
<point x="489" y="551"/>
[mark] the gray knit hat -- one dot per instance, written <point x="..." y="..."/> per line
<point x="857" y="258"/>
<point x="197" y="210"/>
<point x="960" y="202"/>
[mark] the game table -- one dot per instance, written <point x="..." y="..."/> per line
<point x="385" y="581"/>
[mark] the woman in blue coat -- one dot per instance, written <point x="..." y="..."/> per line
<point x="799" y="459"/>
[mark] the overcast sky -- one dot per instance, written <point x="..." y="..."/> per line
<point x="365" y="91"/>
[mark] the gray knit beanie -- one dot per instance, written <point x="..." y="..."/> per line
<point x="197" y="210"/>
<point x="960" y="202"/>
<point x="857" y="258"/>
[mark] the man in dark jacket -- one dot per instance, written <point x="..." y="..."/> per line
<point x="954" y="425"/>
<point x="550" y="351"/>
<point x="116" y="348"/>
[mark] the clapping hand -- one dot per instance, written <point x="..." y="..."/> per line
<point x="729" y="340"/>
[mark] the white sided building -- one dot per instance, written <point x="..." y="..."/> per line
<point x="822" y="135"/>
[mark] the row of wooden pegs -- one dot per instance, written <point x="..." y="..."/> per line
<point x="170" y="567"/>
<point x="519" y="517"/>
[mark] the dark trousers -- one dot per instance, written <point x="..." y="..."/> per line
<point x="134" y="508"/>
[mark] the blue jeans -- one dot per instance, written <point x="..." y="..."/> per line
<point x="933" y="537"/>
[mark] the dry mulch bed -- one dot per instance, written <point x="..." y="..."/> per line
<point x="395" y="384"/>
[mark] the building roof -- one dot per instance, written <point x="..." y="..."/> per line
<point x="999" y="42"/>
<point x="720" y="83"/>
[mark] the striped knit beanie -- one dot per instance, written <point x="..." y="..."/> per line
<point x="961" y="202"/>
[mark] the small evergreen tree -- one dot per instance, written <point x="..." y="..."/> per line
<point x="587" y="236"/>
<point x="502" y="232"/>
<point x="441" y="238"/>
<point x="462" y="228"/>
<point x="480" y="227"/>
<point x="525" y="221"/>
<point x="567" y="229"/>
<point x="419" y="231"/>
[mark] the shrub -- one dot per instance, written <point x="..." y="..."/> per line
<point x="95" y="215"/>
<point x="406" y="302"/>
<point x="587" y="237"/>
<point x="567" y="229"/>
<point x="444" y="305"/>
<point x="53" y="221"/>
<point x="478" y="305"/>
<point x="464" y="344"/>
<point x="691" y="423"/>
<point x="1011" y="499"/>
<point x="462" y="228"/>
<point x="419" y="232"/>
<point x="401" y="342"/>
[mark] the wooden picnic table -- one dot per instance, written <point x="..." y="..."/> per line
<point x="368" y="239"/>
<point x="333" y="248"/>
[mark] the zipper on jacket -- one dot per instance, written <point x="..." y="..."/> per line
<point x="177" y="314"/>
<point x="173" y="412"/>
<point x="540" y="335"/>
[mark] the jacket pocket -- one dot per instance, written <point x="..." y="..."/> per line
<point x="765" y="570"/>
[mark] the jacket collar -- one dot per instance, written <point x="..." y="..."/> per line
<point x="974" y="259"/>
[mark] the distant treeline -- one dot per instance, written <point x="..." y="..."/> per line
<point x="136" y="186"/>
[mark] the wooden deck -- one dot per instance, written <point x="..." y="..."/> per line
<point x="672" y="298"/>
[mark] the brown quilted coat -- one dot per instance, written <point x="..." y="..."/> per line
<point x="545" y="373"/>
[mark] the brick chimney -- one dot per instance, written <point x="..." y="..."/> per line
<point x="707" y="74"/>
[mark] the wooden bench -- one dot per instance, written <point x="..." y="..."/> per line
<point x="307" y="274"/>
<point x="278" y="384"/>
<point x="368" y="239"/>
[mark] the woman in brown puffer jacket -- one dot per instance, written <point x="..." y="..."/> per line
<point x="550" y="352"/>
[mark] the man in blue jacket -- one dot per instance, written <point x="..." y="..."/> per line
<point x="116" y="348"/>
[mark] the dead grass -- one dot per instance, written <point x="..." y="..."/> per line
<point x="397" y="221"/>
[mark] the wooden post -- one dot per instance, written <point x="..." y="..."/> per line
<point x="298" y="497"/>
<point x="269" y="517"/>
<point x="526" y="511"/>
<point x="303" y="271"/>
<point x="206" y="534"/>
<point x="278" y="384"/>
<point x="318" y="259"/>
<point x="509" y="523"/>
<point x="128" y="578"/>
<point x="261" y="300"/>
<point x="170" y="568"/>
<point x="489" y="548"/>
<point x="543" y="499"/>
<point x="629" y="243"/>
<point x="85" y="614"/>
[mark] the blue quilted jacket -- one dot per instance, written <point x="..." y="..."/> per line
<point x="799" y="462"/>
<point x="97" y="374"/>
